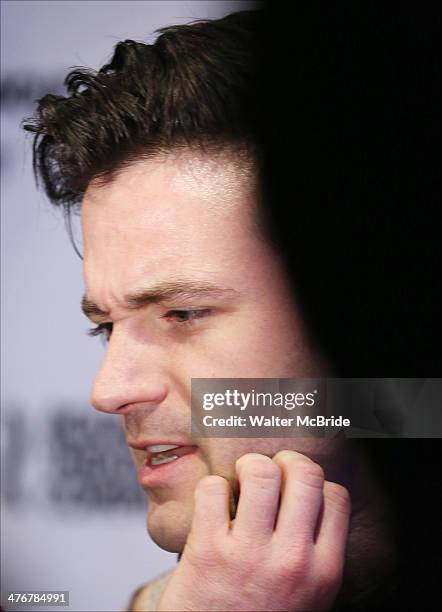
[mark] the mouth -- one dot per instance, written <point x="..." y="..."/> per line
<point x="161" y="454"/>
<point x="165" y="463"/>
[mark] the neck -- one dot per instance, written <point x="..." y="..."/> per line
<point x="371" y="550"/>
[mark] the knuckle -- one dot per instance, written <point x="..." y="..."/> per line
<point x="217" y="551"/>
<point x="299" y="462"/>
<point x="330" y="575"/>
<point x="290" y="456"/>
<point x="299" y="555"/>
<point x="294" y="564"/>
<point x="206" y="552"/>
<point x="210" y="485"/>
<point x="258" y="466"/>
<point x="249" y="458"/>
<point x="310" y="473"/>
<point x="292" y="554"/>
<point x="338" y="496"/>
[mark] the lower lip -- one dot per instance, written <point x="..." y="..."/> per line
<point x="150" y="475"/>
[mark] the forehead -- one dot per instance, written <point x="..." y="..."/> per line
<point x="171" y="212"/>
<point x="172" y="185"/>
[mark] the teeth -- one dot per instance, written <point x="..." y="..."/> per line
<point x="159" y="459"/>
<point x="160" y="448"/>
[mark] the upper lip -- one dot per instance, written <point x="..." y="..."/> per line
<point x="142" y="444"/>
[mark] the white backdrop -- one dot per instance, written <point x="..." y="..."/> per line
<point x="73" y="517"/>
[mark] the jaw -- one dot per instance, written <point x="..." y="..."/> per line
<point x="169" y="524"/>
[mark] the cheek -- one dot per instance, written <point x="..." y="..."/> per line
<point x="222" y="453"/>
<point x="261" y="345"/>
<point x="245" y="344"/>
<point x="137" y="458"/>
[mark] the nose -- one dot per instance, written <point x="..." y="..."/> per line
<point x="130" y="374"/>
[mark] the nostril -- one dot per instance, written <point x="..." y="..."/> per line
<point x="146" y="406"/>
<point x="123" y="409"/>
<point x="110" y="404"/>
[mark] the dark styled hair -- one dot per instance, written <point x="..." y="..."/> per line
<point x="195" y="86"/>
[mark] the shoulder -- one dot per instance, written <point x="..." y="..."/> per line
<point x="146" y="597"/>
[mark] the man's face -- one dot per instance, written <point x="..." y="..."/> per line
<point x="209" y="299"/>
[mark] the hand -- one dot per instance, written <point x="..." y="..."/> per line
<point x="275" y="555"/>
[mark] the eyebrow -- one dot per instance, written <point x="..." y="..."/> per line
<point x="157" y="294"/>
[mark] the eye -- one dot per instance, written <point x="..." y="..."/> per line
<point x="186" y="317"/>
<point x="103" y="329"/>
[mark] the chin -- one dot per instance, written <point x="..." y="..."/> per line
<point x="168" y="525"/>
